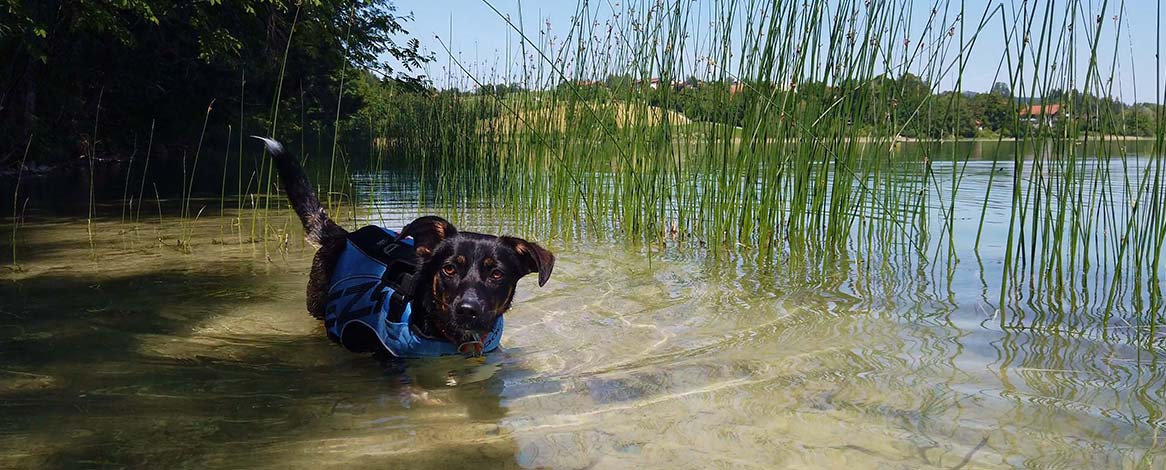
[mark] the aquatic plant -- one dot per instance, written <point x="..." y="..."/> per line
<point x="794" y="157"/>
<point x="16" y="213"/>
<point x="145" y="173"/>
<point x="91" y="159"/>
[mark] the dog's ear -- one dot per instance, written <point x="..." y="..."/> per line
<point x="427" y="232"/>
<point x="535" y="258"/>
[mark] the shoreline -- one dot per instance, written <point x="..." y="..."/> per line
<point x="1099" y="137"/>
<point x="34" y="169"/>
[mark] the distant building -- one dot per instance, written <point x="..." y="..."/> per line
<point x="1046" y="114"/>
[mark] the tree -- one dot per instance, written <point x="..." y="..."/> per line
<point x="1001" y="89"/>
<point x="165" y="60"/>
<point x="994" y="111"/>
<point x="619" y="82"/>
<point x="908" y="96"/>
<point x="1139" y="121"/>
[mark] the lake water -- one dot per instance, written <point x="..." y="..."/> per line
<point x="128" y="349"/>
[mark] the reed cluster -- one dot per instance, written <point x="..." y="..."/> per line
<point x="798" y="158"/>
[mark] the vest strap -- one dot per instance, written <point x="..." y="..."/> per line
<point x="400" y="260"/>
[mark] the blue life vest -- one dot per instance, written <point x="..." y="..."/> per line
<point x="368" y="306"/>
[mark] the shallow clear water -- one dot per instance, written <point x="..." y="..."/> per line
<point x="131" y="351"/>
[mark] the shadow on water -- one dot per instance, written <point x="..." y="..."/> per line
<point x="193" y="367"/>
<point x="47" y="235"/>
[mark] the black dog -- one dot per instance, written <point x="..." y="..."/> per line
<point x="460" y="283"/>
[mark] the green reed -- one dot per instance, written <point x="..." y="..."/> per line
<point x="145" y="173"/>
<point x="16" y="212"/>
<point x="89" y="220"/>
<point x="223" y="183"/>
<point x="188" y="186"/>
<point x="267" y="175"/>
<point x="588" y="146"/>
<point x="239" y="175"/>
<point x="126" y="202"/>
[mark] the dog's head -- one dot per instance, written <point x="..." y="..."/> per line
<point x="466" y="280"/>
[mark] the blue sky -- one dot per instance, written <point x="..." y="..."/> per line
<point x="481" y="39"/>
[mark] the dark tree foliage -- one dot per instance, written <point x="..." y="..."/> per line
<point x="1001" y="89"/>
<point x="166" y="61"/>
<point x="500" y="89"/>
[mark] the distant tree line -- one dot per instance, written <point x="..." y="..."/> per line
<point x="903" y="106"/>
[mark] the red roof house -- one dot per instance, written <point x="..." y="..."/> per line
<point x="1048" y="113"/>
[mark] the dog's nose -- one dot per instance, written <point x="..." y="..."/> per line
<point x="469" y="309"/>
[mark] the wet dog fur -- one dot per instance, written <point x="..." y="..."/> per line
<point x="465" y="280"/>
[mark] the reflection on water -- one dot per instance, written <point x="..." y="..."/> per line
<point x="125" y="352"/>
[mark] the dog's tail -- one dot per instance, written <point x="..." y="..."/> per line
<point x="317" y="225"/>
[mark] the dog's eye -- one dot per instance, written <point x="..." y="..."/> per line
<point x="495" y="275"/>
<point x="449" y="270"/>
